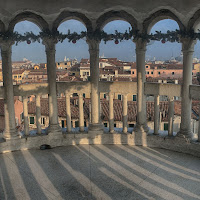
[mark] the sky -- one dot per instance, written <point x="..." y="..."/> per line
<point x="125" y="50"/>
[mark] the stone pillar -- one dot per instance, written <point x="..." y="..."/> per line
<point x="111" y="113"/>
<point x="125" y="113"/>
<point x="95" y="126"/>
<point x="26" y="121"/>
<point x="51" y="74"/>
<point x="68" y="112"/>
<point x="141" y="124"/>
<point x="186" y="102"/>
<point x="38" y="114"/>
<point x="156" y="114"/>
<point x="81" y="113"/>
<point x="171" y="116"/>
<point x="10" y="131"/>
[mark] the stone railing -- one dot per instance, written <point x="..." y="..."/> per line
<point x="158" y="89"/>
<point x="109" y="88"/>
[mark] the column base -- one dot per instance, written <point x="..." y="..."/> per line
<point x="95" y="129"/>
<point x="54" y="129"/>
<point x="141" y="128"/>
<point x="187" y="134"/>
<point x="11" y="134"/>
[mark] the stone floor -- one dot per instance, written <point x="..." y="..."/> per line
<point x="99" y="172"/>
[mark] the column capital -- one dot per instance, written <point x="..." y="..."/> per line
<point x="49" y="43"/>
<point x="140" y="45"/>
<point x="187" y="45"/>
<point x="6" y="45"/>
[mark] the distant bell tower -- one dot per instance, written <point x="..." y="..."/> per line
<point x="65" y="59"/>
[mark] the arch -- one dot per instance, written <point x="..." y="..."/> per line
<point x="158" y="16"/>
<point x="115" y="15"/>
<point x="32" y="17"/>
<point x="194" y="20"/>
<point x="67" y="15"/>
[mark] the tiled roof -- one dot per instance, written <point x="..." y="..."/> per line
<point x="132" y="109"/>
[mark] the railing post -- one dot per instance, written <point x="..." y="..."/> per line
<point x="9" y="110"/>
<point x="68" y="112"/>
<point x="141" y="124"/>
<point x="81" y="113"/>
<point x="156" y="114"/>
<point x="171" y="116"/>
<point x="111" y="113"/>
<point x="38" y="114"/>
<point x="125" y="113"/>
<point x="186" y="102"/>
<point x="95" y="126"/>
<point x="26" y="121"/>
<point x="51" y="73"/>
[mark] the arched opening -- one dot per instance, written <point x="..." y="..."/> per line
<point x="28" y="67"/>
<point x="164" y="64"/>
<point x="72" y="65"/>
<point x="117" y="63"/>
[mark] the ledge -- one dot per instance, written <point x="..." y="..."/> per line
<point x="178" y="144"/>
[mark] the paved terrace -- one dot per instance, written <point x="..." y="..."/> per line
<point x="99" y="172"/>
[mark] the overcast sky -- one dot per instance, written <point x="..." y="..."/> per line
<point x="125" y="50"/>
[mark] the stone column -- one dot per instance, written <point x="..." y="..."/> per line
<point x="125" y="113"/>
<point x="38" y="114"/>
<point x="141" y="124"/>
<point x="81" y="113"/>
<point x="111" y="113"/>
<point x="95" y="126"/>
<point x="68" y="112"/>
<point x="186" y="102"/>
<point x="10" y="131"/>
<point x="26" y="120"/>
<point x="51" y="74"/>
<point x="156" y="114"/>
<point x="171" y="116"/>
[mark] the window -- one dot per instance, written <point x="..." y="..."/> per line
<point x="134" y="97"/>
<point x="58" y="63"/>
<point x="165" y="127"/>
<point x="172" y="73"/>
<point x="131" y="125"/>
<point x="76" y="123"/>
<point x="65" y="63"/>
<point x="151" y="72"/>
<point x="63" y="123"/>
<point x="42" y="120"/>
<point x="114" y="124"/>
<point x="158" y="72"/>
<point x="83" y="95"/>
<point x="119" y="97"/>
<point x="105" y="124"/>
<point x="15" y="76"/>
<point x="22" y="116"/>
<point x="133" y="72"/>
<point x="104" y="96"/>
<point x="147" y="72"/>
<point x="146" y="66"/>
<point x="192" y="73"/>
<point x="32" y="120"/>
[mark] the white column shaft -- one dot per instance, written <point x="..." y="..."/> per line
<point x="156" y="114"/>
<point x="81" y="113"/>
<point x="38" y="114"/>
<point x="111" y="113"/>
<point x="68" y="112"/>
<point x="171" y="116"/>
<point x="125" y="113"/>
<point x="26" y="121"/>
